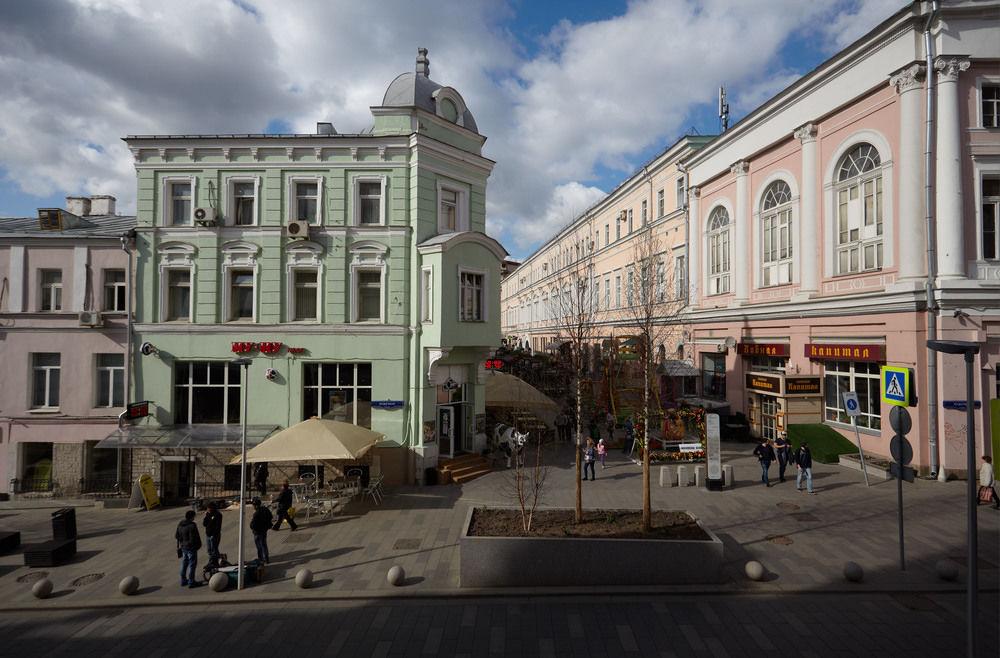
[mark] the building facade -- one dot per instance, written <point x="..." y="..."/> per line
<point x="353" y="270"/>
<point x="63" y="338"/>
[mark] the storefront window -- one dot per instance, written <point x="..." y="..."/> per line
<point x="768" y="363"/>
<point x="713" y="376"/>
<point x="206" y="392"/>
<point x="860" y="377"/>
<point x="338" y="391"/>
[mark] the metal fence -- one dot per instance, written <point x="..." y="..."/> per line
<point x="101" y="486"/>
<point x="31" y="485"/>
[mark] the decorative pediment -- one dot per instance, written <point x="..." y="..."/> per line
<point x="305" y="252"/>
<point x="369" y="252"/>
<point x="239" y="252"/>
<point x="177" y="254"/>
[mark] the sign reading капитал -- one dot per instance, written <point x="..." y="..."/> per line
<point x="803" y="385"/>
<point x="763" y="383"/>
<point x="845" y="352"/>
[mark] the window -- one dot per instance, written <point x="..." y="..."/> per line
<point x="768" y="363"/>
<point x="991" y="217"/>
<point x="448" y="210"/>
<point x="597" y="295"/>
<point x="51" y="290"/>
<point x="471" y="297"/>
<point x="244" y="197"/>
<point x="681" y="193"/>
<point x="114" y="290"/>
<point x="713" y="376"/>
<point x="180" y="204"/>
<point x="110" y="380"/>
<point x="426" y="295"/>
<point x="307" y="202"/>
<point x="629" y="286"/>
<point x="368" y="293"/>
<point x="680" y="277"/>
<point x="991" y="106"/>
<point x="206" y="392"/>
<point x="338" y="391"/>
<point x="45" y="380"/>
<point x="630" y="227"/>
<point x="659" y="204"/>
<point x="776" y="242"/>
<point x="618" y="229"/>
<point x="661" y="281"/>
<point x="618" y="291"/>
<point x="241" y="297"/>
<point x="369" y="203"/>
<point x="607" y="235"/>
<point x="607" y="292"/>
<point x="645" y="208"/>
<point x="718" y="251"/>
<point x="863" y="379"/>
<point x="178" y="295"/>
<point x="859" y="210"/>
<point x="306" y="302"/>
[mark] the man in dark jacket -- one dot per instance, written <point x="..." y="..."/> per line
<point x="804" y="464"/>
<point x="188" y="543"/>
<point x="260" y="477"/>
<point x="284" y="503"/>
<point x="784" y="451"/>
<point x="765" y="455"/>
<point x="213" y="532"/>
<point x="260" y="523"/>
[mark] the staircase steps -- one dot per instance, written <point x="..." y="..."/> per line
<point x="462" y="469"/>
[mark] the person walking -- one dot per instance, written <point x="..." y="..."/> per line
<point x="188" y="543"/>
<point x="629" y="436"/>
<point x="260" y="523"/>
<point x="602" y="453"/>
<point x="260" y="477"/>
<point x="988" y="483"/>
<point x="589" y="455"/>
<point x="609" y="421"/>
<point x="562" y="425"/>
<point x="213" y="532"/>
<point x="765" y="455"/>
<point x="804" y="464"/>
<point x="783" y="449"/>
<point x="284" y="504"/>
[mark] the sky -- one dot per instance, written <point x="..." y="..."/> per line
<point x="572" y="96"/>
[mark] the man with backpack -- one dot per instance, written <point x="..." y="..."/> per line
<point x="188" y="543"/>
<point x="260" y="523"/>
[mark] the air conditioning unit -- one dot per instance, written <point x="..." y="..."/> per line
<point x="91" y="319"/>
<point x="297" y="229"/>
<point x="204" y="216"/>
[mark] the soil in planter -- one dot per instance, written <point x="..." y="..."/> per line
<point x="597" y="524"/>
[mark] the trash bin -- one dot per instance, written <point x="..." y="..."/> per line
<point x="64" y="524"/>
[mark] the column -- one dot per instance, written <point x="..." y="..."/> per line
<point x="808" y="257"/>
<point x="911" y="227"/>
<point x="948" y="170"/>
<point x="695" y="231"/>
<point x="741" y="235"/>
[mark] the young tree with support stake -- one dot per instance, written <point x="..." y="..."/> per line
<point x="653" y="312"/>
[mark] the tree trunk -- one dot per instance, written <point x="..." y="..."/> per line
<point x="578" y="517"/>
<point x="647" y="518"/>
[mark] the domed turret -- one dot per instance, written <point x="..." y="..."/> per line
<point x="418" y="90"/>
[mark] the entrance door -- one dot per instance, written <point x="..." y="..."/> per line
<point x="176" y="478"/>
<point x="468" y="427"/>
<point x="446" y="431"/>
<point x="768" y="417"/>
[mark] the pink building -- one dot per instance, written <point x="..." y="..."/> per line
<point x="809" y="255"/>
<point x="63" y="337"/>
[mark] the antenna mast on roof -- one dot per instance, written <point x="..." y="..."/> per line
<point x="723" y="110"/>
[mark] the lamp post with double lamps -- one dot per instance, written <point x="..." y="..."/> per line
<point x="245" y="363"/>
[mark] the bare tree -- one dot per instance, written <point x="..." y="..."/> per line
<point x="525" y="484"/>
<point x="653" y="312"/>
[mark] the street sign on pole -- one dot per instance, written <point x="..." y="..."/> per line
<point x="902" y="452"/>
<point x="895" y="385"/>
<point x="853" y="410"/>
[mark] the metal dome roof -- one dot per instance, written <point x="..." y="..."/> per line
<point x="417" y="90"/>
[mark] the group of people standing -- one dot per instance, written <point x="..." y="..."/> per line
<point x="780" y="450"/>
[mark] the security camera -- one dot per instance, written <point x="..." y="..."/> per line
<point x="148" y="348"/>
<point x="270" y="374"/>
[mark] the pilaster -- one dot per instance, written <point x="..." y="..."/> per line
<point x="948" y="169"/>
<point x="808" y="255"/>
<point x="741" y="237"/>
<point x="908" y="83"/>
<point x="695" y="231"/>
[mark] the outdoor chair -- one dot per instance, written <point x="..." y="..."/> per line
<point x="374" y="489"/>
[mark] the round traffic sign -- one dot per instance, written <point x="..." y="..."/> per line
<point x="899" y="420"/>
<point x="901" y="450"/>
<point x="852" y="404"/>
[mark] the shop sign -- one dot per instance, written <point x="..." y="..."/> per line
<point x="147" y="487"/>
<point x="265" y="347"/>
<point x="137" y="410"/>
<point x="764" y="383"/>
<point x="387" y="404"/>
<point x="493" y="364"/>
<point x="803" y="385"/>
<point x="845" y="352"/>
<point x="763" y="349"/>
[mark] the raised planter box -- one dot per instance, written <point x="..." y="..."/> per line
<point x="571" y="561"/>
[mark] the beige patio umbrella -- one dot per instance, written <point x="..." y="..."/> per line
<point x="315" y="440"/>
<point x="503" y="390"/>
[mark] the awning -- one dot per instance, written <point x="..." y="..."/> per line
<point x="185" y="436"/>
<point x="676" y="368"/>
<point x="315" y="439"/>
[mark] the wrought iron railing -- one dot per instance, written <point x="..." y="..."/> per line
<point x="102" y="486"/>
<point x="32" y="485"/>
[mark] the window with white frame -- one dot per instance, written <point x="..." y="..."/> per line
<point x="661" y="280"/>
<point x="618" y="291"/>
<point x="369" y="202"/>
<point x="368" y="294"/>
<point x="618" y="228"/>
<point x="680" y="277"/>
<point x="645" y="211"/>
<point x="607" y="235"/>
<point x="241" y="294"/>
<point x="860" y="377"/>
<point x="681" y="192"/>
<point x="45" y="380"/>
<point x="244" y="202"/>
<point x="110" y="380"/>
<point x="660" y="204"/>
<point x="607" y="292"/>
<point x="427" y="294"/>
<point x="630" y="227"/>
<point x="51" y="290"/>
<point x="305" y="301"/>
<point x="114" y="290"/>
<point x="206" y="392"/>
<point x="178" y="295"/>
<point x="306" y="201"/>
<point x="338" y="391"/>
<point x="718" y="251"/>
<point x="449" y="210"/>
<point x="990" y="100"/>
<point x="859" y="210"/>
<point x="629" y="286"/>
<point x="180" y="203"/>
<point x="597" y="295"/>
<point x="471" y="300"/>
<point x="991" y="216"/>
<point x="776" y="239"/>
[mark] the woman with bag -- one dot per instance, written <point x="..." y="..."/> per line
<point x="987" y="483"/>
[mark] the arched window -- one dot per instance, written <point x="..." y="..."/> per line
<point x="859" y="210"/>
<point x="718" y="251"/>
<point x="776" y="238"/>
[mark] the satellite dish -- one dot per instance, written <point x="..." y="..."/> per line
<point x="730" y="342"/>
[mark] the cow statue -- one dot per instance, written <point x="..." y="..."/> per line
<point x="511" y="442"/>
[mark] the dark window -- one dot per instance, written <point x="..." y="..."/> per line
<point x="206" y="392"/>
<point x="338" y="391"/>
<point x="713" y="375"/>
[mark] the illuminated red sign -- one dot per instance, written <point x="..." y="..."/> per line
<point x="763" y="349"/>
<point x="137" y="410"/>
<point x="266" y="347"/>
<point x="493" y="364"/>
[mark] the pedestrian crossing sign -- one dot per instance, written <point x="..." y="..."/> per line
<point x="895" y="385"/>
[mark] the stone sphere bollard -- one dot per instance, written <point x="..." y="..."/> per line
<point x="304" y="578"/>
<point x="396" y="575"/>
<point x="42" y="588"/>
<point x="129" y="585"/>
<point x="947" y="570"/>
<point x="219" y="582"/>
<point x="853" y="572"/>
<point x="755" y="570"/>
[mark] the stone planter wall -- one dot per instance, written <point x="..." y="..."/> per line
<point x="570" y="561"/>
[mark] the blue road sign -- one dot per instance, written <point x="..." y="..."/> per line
<point x="895" y="385"/>
<point x="960" y="405"/>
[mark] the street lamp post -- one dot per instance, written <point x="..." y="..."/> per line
<point x="969" y="349"/>
<point x="245" y="363"/>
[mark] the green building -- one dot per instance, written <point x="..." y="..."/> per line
<point x="353" y="269"/>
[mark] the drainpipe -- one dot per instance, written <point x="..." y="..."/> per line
<point x="932" y="306"/>
<point x="687" y="234"/>
<point x="125" y="239"/>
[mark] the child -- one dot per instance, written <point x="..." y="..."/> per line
<point x="602" y="452"/>
<point x="588" y="460"/>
